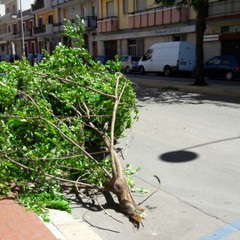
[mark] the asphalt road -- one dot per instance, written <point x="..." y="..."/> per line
<point x="191" y="142"/>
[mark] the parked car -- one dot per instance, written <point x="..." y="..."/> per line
<point x="168" y="58"/>
<point x="11" y="58"/>
<point x="38" y="58"/>
<point x="129" y="63"/>
<point x="225" y="66"/>
<point x="101" y="58"/>
<point x="31" y="57"/>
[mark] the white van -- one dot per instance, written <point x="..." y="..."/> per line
<point x="169" y="57"/>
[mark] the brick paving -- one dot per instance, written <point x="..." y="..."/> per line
<point x="16" y="223"/>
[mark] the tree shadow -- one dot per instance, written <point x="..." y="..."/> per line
<point x="89" y="201"/>
<point x="178" y="156"/>
<point x="184" y="155"/>
<point x="171" y="95"/>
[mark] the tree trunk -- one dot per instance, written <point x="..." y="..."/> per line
<point x="118" y="185"/>
<point x="202" y="12"/>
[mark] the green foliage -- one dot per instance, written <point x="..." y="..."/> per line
<point x="46" y="117"/>
<point x="129" y="172"/>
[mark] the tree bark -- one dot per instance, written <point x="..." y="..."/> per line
<point x="202" y="13"/>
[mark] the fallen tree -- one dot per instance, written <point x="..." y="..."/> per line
<point x="59" y="122"/>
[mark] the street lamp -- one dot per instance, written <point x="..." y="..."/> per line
<point x="22" y="29"/>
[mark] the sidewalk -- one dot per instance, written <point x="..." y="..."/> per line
<point x="16" y="223"/>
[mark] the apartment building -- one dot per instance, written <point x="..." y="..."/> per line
<point x="43" y="25"/>
<point x="117" y="27"/>
<point x="130" y="27"/>
<point x="222" y="35"/>
<point x="70" y="9"/>
<point x="8" y="25"/>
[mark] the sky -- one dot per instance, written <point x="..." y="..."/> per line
<point x="26" y="4"/>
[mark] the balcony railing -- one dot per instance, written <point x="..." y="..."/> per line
<point x="107" y="25"/>
<point x="58" y="2"/>
<point x="9" y="17"/>
<point x="45" y="29"/>
<point x="158" y="16"/>
<point x="28" y="33"/>
<point x="41" y="4"/>
<point x="39" y="30"/>
<point x="224" y="9"/>
<point x="91" y="22"/>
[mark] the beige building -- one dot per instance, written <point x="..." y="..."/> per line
<point x="117" y="27"/>
<point x="130" y="27"/>
<point x="222" y="35"/>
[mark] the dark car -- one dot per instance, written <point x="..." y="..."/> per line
<point x="101" y="58"/>
<point x="11" y="58"/>
<point x="31" y="57"/>
<point x="227" y="67"/>
<point x="38" y="58"/>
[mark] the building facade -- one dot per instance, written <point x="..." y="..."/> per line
<point x="118" y="27"/>
<point x="130" y="27"/>
<point x="222" y="35"/>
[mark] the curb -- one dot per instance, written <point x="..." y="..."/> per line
<point x="65" y="227"/>
<point x="214" y="89"/>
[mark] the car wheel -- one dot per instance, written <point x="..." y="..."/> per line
<point x="127" y="70"/>
<point x="167" y="71"/>
<point x="142" y="70"/>
<point x="229" y="76"/>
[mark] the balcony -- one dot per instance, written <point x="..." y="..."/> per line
<point x="4" y="1"/>
<point x="9" y="17"/>
<point x="39" y="30"/>
<point x="158" y="16"/>
<point x="45" y="29"/>
<point x="41" y="5"/>
<point x="107" y="25"/>
<point x="224" y="9"/>
<point x="58" y="2"/>
<point x="58" y="27"/>
<point x="28" y="33"/>
<point x="90" y="22"/>
<point x="7" y="36"/>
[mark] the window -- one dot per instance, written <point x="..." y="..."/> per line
<point x="141" y="5"/>
<point x="215" y="61"/>
<point x="125" y="6"/>
<point x="83" y="11"/>
<point x="110" y="11"/>
<point x="93" y="11"/>
<point x="40" y="22"/>
<point x="50" y="19"/>
<point x="148" y="55"/>
<point x="132" y="47"/>
<point x="224" y="29"/>
<point x="65" y="13"/>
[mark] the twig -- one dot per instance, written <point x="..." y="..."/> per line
<point x="105" y="229"/>
<point x="82" y="185"/>
<point x="106" y="211"/>
<point x="152" y="192"/>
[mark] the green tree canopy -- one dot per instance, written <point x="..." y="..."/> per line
<point x="59" y="121"/>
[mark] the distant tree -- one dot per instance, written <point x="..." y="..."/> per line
<point x="201" y="9"/>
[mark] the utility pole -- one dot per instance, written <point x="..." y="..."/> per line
<point x="22" y="29"/>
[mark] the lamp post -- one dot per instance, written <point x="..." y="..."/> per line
<point x="22" y="29"/>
